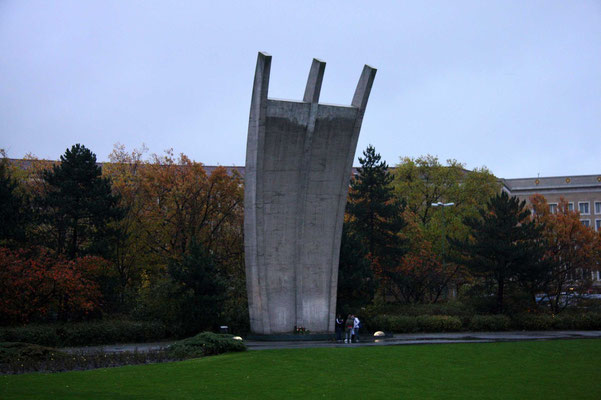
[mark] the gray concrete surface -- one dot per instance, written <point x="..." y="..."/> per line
<point x="298" y="164"/>
<point x="434" y="338"/>
<point x="368" y="340"/>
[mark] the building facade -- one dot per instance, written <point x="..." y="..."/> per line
<point x="582" y="192"/>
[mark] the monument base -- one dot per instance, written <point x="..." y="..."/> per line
<point x="291" y="337"/>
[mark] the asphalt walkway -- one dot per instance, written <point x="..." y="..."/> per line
<point x="368" y="340"/>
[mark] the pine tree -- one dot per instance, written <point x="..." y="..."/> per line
<point x="375" y="215"/>
<point x="200" y="290"/>
<point x="505" y="244"/>
<point x="78" y="204"/>
<point x="356" y="283"/>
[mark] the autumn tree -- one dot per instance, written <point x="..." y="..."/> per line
<point x="422" y="182"/>
<point x="172" y="203"/>
<point x="35" y="284"/>
<point x="77" y="204"/>
<point x="573" y="250"/>
<point x="503" y="243"/>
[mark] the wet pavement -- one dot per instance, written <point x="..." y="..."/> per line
<point x="368" y="340"/>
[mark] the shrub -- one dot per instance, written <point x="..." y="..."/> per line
<point x="403" y="324"/>
<point x="489" y="323"/>
<point x="533" y="322"/>
<point x="438" y="323"/>
<point x="588" y="321"/>
<point x="206" y="344"/>
<point x="85" y="333"/>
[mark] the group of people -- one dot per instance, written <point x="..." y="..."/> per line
<point x="351" y="326"/>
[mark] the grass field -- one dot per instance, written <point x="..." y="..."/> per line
<point x="525" y="370"/>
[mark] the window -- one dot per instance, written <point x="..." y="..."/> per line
<point x="553" y="208"/>
<point x="585" y="222"/>
<point x="597" y="207"/>
<point x="583" y="207"/>
<point x="570" y="206"/>
<point x="598" y="225"/>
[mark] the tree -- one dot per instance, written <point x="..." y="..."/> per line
<point x="421" y="182"/>
<point x="375" y="215"/>
<point x="189" y="298"/>
<point x="34" y="284"/>
<point x="172" y="202"/>
<point x="573" y="250"/>
<point x="78" y="204"/>
<point x="504" y="243"/>
<point x="356" y="283"/>
<point x="12" y="215"/>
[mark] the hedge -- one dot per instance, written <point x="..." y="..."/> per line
<point x="85" y="333"/>
<point x="410" y="324"/>
<point x="492" y="323"/>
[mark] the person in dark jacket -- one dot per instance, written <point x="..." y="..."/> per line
<point x="339" y="327"/>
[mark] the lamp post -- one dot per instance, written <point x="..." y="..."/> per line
<point x="443" y="205"/>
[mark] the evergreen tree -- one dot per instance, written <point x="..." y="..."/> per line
<point x="78" y="204"/>
<point x="356" y="284"/>
<point x="375" y="214"/>
<point x="200" y="290"/>
<point x="505" y="244"/>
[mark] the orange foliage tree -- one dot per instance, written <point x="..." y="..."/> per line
<point x="172" y="202"/>
<point x="33" y="284"/>
<point x="574" y="251"/>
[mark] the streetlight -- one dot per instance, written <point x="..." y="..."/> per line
<point x="443" y="205"/>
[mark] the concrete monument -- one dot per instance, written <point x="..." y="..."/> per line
<point x="299" y="157"/>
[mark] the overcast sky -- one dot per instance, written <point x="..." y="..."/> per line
<point x="511" y="85"/>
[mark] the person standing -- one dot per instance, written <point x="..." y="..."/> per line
<point x="339" y="327"/>
<point x="356" y="326"/>
<point x="350" y="322"/>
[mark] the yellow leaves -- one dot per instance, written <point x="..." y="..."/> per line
<point x="173" y="200"/>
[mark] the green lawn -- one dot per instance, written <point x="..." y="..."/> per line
<point x="568" y="369"/>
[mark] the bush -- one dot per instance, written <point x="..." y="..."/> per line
<point x="85" y="333"/>
<point x="533" y="322"/>
<point x="438" y="323"/>
<point x="489" y="323"/>
<point x="206" y="344"/>
<point x="588" y="321"/>
<point x="410" y="324"/>
<point x="403" y="324"/>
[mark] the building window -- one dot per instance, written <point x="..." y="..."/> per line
<point x="585" y="222"/>
<point x="583" y="207"/>
<point x="570" y="206"/>
<point x="598" y="225"/>
<point x="553" y="208"/>
<point x="597" y="207"/>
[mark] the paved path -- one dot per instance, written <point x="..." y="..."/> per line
<point x="434" y="338"/>
<point x="399" y="339"/>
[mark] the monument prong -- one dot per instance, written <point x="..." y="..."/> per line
<point x="313" y="88"/>
<point x="364" y="87"/>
